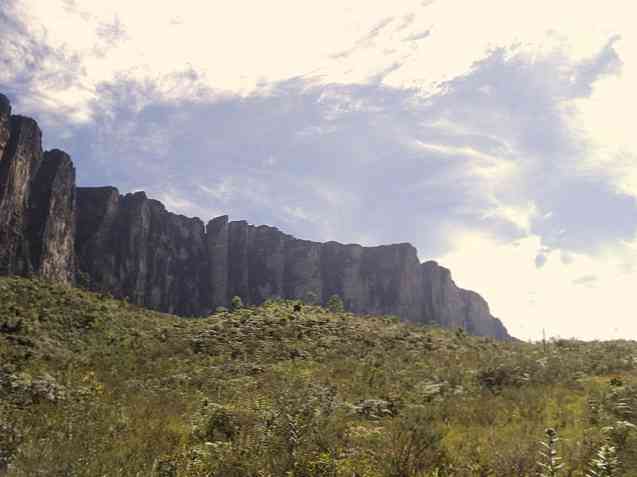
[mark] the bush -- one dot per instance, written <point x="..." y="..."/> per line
<point x="335" y="304"/>
<point x="236" y="302"/>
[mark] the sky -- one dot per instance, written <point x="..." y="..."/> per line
<point x="496" y="136"/>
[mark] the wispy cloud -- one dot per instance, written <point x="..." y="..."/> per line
<point x="585" y="280"/>
<point x="367" y="40"/>
<point x="418" y="36"/>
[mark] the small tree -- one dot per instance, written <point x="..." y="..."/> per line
<point x="236" y="302"/>
<point x="335" y="304"/>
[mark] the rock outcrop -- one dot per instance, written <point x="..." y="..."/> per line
<point x="37" y="202"/>
<point x="453" y="307"/>
<point x="131" y="246"/>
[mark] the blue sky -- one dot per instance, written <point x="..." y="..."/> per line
<point x="495" y="137"/>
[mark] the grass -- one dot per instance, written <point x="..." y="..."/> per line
<point x="91" y="386"/>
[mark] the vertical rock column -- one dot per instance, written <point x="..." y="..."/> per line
<point x="266" y="262"/>
<point x="20" y="159"/>
<point x="52" y="217"/>
<point x="37" y="202"/>
<point x="217" y="236"/>
<point x="5" y="116"/>
<point x="238" y="260"/>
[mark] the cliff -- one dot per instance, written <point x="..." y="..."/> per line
<point x="132" y="247"/>
<point x="37" y="202"/>
<point x="453" y="307"/>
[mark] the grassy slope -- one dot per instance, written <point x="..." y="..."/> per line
<point x="92" y="386"/>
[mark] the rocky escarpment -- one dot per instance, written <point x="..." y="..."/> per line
<point x="37" y="202"/>
<point x="131" y="246"/>
<point x="453" y="307"/>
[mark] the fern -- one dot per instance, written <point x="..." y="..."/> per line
<point x="605" y="463"/>
<point x="550" y="461"/>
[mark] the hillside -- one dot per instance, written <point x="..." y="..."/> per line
<point x="94" y="386"/>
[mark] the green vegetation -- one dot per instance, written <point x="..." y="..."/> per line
<point x="335" y="304"/>
<point x="236" y="303"/>
<point x="91" y="386"/>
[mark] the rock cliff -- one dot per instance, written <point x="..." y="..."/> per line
<point x="37" y="202"/>
<point x="453" y="307"/>
<point x="132" y="247"/>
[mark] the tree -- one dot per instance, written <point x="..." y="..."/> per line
<point x="236" y="302"/>
<point x="335" y="304"/>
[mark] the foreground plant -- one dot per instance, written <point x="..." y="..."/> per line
<point x="551" y="462"/>
<point x="605" y="463"/>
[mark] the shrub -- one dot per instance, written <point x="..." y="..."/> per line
<point x="236" y="302"/>
<point x="335" y="304"/>
<point x="414" y="445"/>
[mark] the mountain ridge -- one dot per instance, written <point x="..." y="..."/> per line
<point x="132" y="246"/>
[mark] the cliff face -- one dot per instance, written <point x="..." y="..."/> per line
<point x="37" y="202"/>
<point x="132" y="247"/>
<point x="454" y="307"/>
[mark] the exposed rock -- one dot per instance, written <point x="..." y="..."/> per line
<point x="479" y="320"/>
<point x="37" y="202"/>
<point x="22" y="389"/>
<point x="132" y="247"/>
<point x="52" y="217"/>
<point x="454" y="307"/>
<point x="5" y="116"/>
<point x="443" y="301"/>
<point x="20" y="158"/>
<point x="266" y="263"/>
<point x="217" y="237"/>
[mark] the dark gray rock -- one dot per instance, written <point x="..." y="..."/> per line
<point x="302" y="275"/>
<point x="5" y="128"/>
<point x="266" y="263"/>
<point x="20" y="160"/>
<point x="447" y="304"/>
<point x="37" y="202"/>
<point x="52" y="217"/>
<point x="132" y="247"/>
<point x="217" y="240"/>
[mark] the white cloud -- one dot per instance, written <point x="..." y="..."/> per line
<point x="562" y="304"/>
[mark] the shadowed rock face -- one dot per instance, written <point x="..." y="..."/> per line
<point x="453" y="307"/>
<point x="52" y="217"/>
<point x="131" y="246"/>
<point x="37" y="202"/>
